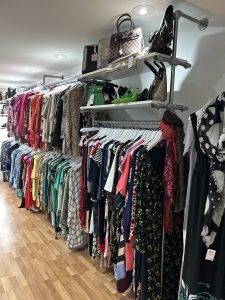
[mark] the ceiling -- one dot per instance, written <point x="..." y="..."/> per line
<point x="32" y="32"/>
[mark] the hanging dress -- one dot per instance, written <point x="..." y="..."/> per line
<point x="202" y="278"/>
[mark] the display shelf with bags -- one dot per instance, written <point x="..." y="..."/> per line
<point x="133" y="65"/>
<point x="141" y="62"/>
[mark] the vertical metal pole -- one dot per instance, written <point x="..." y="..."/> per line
<point x="173" y="66"/>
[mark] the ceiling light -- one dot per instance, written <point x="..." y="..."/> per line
<point x="142" y="10"/>
<point x="60" y="56"/>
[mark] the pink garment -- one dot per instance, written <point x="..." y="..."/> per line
<point x="24" y="101"/>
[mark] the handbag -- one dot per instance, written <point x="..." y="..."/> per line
<point x="161" y="39"/>
<point x="103" y="53"/>
<point x="126" y="42"/>
<point x="94" y="95"/>
<point x="90" y="58"/>
<point x="158" y="88"/>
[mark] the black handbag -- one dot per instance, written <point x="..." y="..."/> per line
<point x="162" y="38"/>
<point x="90" y="58"/>
<point x="126" y="42"/>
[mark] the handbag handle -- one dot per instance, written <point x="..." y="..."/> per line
<point x="150" y="67"/>
<point x="120" y="21"/>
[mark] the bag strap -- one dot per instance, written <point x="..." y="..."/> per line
<point x="121" y="20"/>
<point x="150" y="67"/>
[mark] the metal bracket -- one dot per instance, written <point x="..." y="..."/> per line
<point x="202" y="24"/>
<point x="50" y="76"/>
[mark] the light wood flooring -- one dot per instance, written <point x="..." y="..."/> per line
<point x="33" y="265"/>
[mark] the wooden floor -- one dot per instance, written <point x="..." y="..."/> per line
<point x="33" y="265"/>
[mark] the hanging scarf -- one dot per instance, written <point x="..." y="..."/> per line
<point x="170" y="175"/>
<point x="212" y="142"/>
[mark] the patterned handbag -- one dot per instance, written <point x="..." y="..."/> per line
<point x="158" y="88"/>
<point x="126" y="42"/>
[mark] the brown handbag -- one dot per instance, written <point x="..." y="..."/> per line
<point x="126" y="42"/>
<point x="158" y="88"/>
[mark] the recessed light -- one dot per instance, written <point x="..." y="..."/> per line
<point x="60" y="56"/>
<point x="142" y="10"/>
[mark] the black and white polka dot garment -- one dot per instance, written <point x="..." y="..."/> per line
<point x="211" y="137"/>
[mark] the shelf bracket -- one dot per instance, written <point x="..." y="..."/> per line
<point x="202" y="24"/>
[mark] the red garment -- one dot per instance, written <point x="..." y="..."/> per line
<point x="170" y="176"/>
<point x="123" y="181"/>
<point x="33" y="107"/>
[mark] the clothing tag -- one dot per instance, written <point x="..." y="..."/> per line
<point x="130" y="62"/>
<point x="120" y="51"/>
<point x="106" y="97"/>
<point x="94" y="57"/>
<point x="210" y="255"/>
<point x="91" y="100"/>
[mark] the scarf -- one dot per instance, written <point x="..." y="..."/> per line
<point x="212" y="142"/>
<point x="173" y="119"/>
<point x="170" y="174"/>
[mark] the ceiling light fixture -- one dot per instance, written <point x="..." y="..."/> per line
<point x="142" y="10"/>
<point x="60" y="56"/>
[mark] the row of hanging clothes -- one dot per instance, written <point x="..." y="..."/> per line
<point x="203" y="267"/>
<point x="50" y="182"/>
<point x="48" y="118"/>
<point x="132" y="199"/>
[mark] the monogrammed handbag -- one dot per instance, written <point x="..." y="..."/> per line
<point x="158" y="88"/>
<point x="126" y="42"/>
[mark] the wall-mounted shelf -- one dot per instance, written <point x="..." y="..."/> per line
<point x="134" y="105"/>
<point x="109" y="74"/>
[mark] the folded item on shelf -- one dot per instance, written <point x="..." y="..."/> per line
<point x="90" y="58"/>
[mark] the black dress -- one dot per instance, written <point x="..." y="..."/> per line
<point x="201" y="278"/>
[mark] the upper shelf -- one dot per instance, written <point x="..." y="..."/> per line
<point x="131" y="105"/>
<point x="108" y="74"/>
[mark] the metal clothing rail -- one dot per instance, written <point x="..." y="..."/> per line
<point x="62" y="82"/>
<point x="50" y="76"/>
<point x="127" y="124"/>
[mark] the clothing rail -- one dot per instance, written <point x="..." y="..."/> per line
<point x="127" y="124"/>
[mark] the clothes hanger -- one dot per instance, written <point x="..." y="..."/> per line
<point x="157" y="138"/>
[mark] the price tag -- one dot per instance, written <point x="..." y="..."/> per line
<point x="91" y="100"/>
<point x="130" y="62"/>
<point x="210" y="255"/>
<point x="94" y="57"/>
